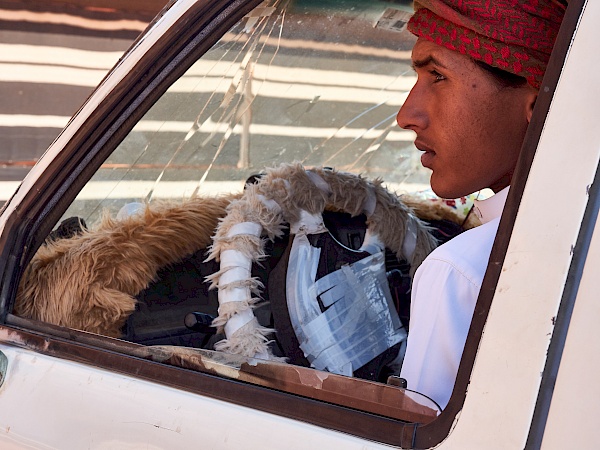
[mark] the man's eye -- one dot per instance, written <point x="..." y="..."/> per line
<point x="437" y="76"/>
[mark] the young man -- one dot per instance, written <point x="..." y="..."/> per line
<point x="479" y="66"/>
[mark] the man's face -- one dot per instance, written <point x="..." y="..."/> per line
<point x="469" y="128"/>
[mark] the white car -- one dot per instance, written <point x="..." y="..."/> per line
<point x="209" y="95"/>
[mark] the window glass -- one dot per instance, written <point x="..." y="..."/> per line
<point x="319" y="83"/>
<point x="314" y="82"/>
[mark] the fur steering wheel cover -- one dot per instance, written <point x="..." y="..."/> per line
<point x="281" y="196"/>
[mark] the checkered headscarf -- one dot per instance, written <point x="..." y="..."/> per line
<point x="513" y="35"/>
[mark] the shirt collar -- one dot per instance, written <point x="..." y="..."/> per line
<point x="491" y="208"/>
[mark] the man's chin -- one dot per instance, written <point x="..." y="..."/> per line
<point x="447" y="192"/>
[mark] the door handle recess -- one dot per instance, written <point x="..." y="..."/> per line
<point x="3" y="367"/>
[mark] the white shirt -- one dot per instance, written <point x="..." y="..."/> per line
<point x="444" y="292"/>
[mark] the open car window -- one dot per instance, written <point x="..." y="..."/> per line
<point x="301" y="81"/>
<point x="316" y="84"/>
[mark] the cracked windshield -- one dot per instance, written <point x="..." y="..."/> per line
<point x="314" y="82"/>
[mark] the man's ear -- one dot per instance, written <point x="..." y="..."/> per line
<point x="530" y="103"/>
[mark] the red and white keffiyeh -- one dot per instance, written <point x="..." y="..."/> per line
<point x="513" y="35"/>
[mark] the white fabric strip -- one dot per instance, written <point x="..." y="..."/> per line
<point x="238" y="267"/>
<point x="302" y="270"/>
<point x="232" y="275"/>
<point x="319" y="182"/>
<point x="308" y="223"/>
<point x="238" y="321"/>
<point x="372" y="244"/>
<point x="410" y="239"/>
<point x="245" y="228"/>
<point x="234" y="258"/>
<point x="370" y="202"/>
<point x="237" y="294"/>
<point x="271" y="205"/>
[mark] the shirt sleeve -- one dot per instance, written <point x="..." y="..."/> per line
<point x="442" y="305"/>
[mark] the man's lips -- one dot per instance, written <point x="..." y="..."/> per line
<point x="428" y="156"/>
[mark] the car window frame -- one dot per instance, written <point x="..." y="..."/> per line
<point x="434" y="433"/>
<point x="110" y="123"/>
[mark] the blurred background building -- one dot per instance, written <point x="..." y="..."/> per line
<point x="52" y="55"/>
<point x="304" y="88"/>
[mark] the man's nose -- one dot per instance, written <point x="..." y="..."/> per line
<point x="412" y="114"/>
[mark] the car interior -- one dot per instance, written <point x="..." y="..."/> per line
<point x="311" y="84"/>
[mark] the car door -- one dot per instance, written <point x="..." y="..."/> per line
<point x="207" y="97"/>
<point x="99" y="141"/>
